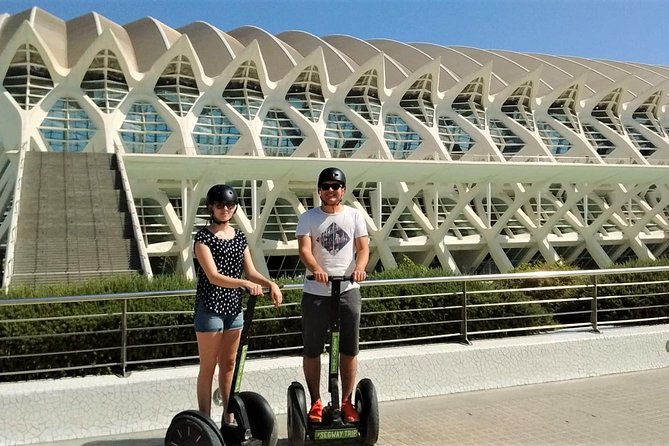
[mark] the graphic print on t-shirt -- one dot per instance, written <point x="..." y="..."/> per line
<point x="333" y="239"/>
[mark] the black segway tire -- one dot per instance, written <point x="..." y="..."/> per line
<point x="368" y="406"/>
<point x="192" y="428"/>
<point x="261" y="416"/>
<point x="297" y="415"/>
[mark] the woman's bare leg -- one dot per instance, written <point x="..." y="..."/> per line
<point x="226" y="365"/>
<point x="208" y="347"/>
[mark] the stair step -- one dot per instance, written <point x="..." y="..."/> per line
<point x="76" y="226"/>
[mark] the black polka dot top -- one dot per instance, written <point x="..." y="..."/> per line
<point x="228" y="256"/>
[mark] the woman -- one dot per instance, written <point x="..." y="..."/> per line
<point x="223" y="254"/>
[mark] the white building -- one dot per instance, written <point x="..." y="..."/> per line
<point x="472" y="159"/>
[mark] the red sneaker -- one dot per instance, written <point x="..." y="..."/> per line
<point x="349" y="413"/>
<point x="316" y="412"/>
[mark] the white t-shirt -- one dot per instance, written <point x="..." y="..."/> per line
<point x="332" y="243"/>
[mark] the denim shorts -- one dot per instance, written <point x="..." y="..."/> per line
<point x="316" y="322"/>
<point x="207" y="320"/>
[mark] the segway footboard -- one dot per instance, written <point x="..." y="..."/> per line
<point x="332" y="433"/>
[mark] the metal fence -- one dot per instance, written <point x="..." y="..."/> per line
<point x="117" y="333"/>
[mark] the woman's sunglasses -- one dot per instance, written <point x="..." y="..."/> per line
<point x="227" y="204"/>
<point x="331" y="186"/>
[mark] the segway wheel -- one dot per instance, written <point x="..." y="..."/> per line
<point x="261" y="417"/>
<point x="368" y="406"/>
<point x="297" y="415"/>
<point x="192" y="428"/>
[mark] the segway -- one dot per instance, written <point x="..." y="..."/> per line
<point x="255" y="421"/>
<point x="333" y="426"/>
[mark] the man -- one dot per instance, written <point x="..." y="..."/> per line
<point x="332" y="241"/>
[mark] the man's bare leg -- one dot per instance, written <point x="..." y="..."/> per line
<point x="349" y="369"/>
<point x="312" y="374"/>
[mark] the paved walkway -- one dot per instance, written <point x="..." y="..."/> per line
<point x="624" y="409"/>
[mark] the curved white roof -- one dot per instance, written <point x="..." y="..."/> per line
<point x="147" y="39"/>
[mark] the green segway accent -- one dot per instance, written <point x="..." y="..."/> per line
<point x="335" y="434"/>
<point x="240" y="373"/>
<point x="334" y="354"/>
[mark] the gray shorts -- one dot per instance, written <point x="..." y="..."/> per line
<point x="316" y="322"/>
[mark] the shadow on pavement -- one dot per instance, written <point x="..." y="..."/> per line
<point x="127" y="442"/>
<point x="155" y="441"/>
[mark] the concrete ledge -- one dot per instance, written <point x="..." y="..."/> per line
<point x="50" y="410"/>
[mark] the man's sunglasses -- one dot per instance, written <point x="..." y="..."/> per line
<point x="331" y="186"/>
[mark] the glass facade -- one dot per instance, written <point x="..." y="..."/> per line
<point x="244" y="91"/>
<point x="342" y="137"/>
<point x="364" y="97"/>
<point x="602" y="145"/>
<point x="214" y="133"/>
<point x="506" y="141"/>
<point x="67" y="127"/>
<point x="606" y="111"/>
<point x="563" y="109"/>
<point x="517" y="106"/>
<point x="642" y="143"/>
<point x="177" y="86"/>
<point x="647" y="114"/>
<point x="306" y="94"/>
<point x="104" y="82"/>
<point x="418" y="100"/>
<point x="401" y="139"/>
<point x="279" y="135"/>
<point x="454" y="138"/>
<point x="556" y="143"/>
<point x="144" y="130"/>
<point x="27" y="78"/>
<point x="469" y="103"/>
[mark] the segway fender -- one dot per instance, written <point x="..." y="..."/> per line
<point x="261" y="418"/>
<point x="191" y="426"/>
<point x="236" y="433"/>
<point x="368" y="404"/>
<point x="297" y="415"/>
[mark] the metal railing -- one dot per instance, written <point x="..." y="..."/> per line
<point x="56" y="336"/>
<point x="14" y="220"/>
<point x="132" y="210"/>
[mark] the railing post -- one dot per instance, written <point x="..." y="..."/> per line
<point x="463" y="315"/>
<point x="594" y="305"/>
<point x="124" y="338"/>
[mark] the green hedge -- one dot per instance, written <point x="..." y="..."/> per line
<point x="653" y="297"/>
<point x="28" y="344"/>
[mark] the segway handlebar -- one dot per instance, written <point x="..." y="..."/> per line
<point x="264" y="291"/>
<point x="333" y="278"/>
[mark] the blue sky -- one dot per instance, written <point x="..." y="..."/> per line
<point x="626" y="30"/>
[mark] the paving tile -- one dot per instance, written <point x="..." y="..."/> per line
<point x="624" y="409"/>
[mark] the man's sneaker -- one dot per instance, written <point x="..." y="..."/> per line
<point x="316" y="412"/>
<point x="349" y="413"/>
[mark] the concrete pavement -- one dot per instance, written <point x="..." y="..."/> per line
<point x="621" y="409"/>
